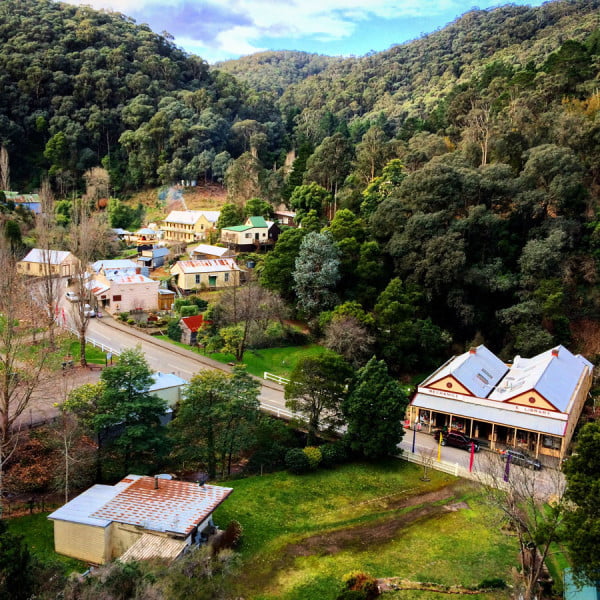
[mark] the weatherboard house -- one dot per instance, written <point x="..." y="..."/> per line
<point x="138" y="518"/>
<point x="533" y="403"/>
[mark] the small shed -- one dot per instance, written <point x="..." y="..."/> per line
<point x="189" y="329"/>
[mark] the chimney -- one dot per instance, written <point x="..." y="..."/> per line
<point x="156" y="482"/>
<point x="555" y="352"/>
<point x="472" y="350"/>
<point x="138" y="270"/>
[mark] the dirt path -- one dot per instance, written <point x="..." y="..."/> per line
<point x="361" y="537"/>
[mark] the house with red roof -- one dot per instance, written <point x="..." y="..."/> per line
<point x="190" y="327"/>
<point x="138" y="518"/>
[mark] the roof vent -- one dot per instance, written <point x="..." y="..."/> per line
<point x="156" y="482"/>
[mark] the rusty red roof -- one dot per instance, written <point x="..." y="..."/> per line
<point x="163" y="504"/>
<point x="194" y="322"/>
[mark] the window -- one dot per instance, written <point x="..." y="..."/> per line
<point x="197" y="278"/>
<point x="549" y="441"/>
<point x="248" y="235"/>
<point x="226" y="277"/>
<point x="117" y="298"/>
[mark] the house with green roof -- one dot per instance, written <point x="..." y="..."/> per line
<point x="254" y="235"/>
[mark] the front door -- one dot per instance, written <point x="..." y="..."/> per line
<point x="212" y="281"/>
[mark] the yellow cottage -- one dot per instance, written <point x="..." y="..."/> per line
<point x="138" y="518"/>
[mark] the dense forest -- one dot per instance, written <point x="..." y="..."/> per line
<point x="449" y="186"/>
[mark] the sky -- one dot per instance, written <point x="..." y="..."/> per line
<point x="223" y="29"/>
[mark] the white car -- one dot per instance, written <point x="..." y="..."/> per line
<point x="72" y="297"/>
<point x="88" y="311"/>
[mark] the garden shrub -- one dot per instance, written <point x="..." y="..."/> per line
<point x="188" y="310"/>
<point x="123" y="316"/>
<point x="130" y="321"/>
<point x="314" y="456"/>
<point x="179" y="302"/>
<point x="197" y="301"/>
<point x="296" y="461"/>
<point x="333" y="454"/>
<point x="174" y="330"/>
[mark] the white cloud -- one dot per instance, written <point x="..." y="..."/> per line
<point x="238" y="26"/>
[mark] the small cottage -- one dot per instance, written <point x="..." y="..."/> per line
<point x="138" y="518"/>
<point x="189" y="329"/>
<point x="205" y="274"/>
<point x="40" y="262"/>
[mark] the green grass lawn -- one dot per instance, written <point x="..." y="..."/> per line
<point x="92" y="354"/>
<point x="303" y="533"/>
<point x="38" y="533"/>
<point x="279" y="361"/>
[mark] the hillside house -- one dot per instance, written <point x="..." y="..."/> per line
<point x="533" y="403"/>
<point x="29" y="201"/>
<point x="189" y="225"/>
<point x="39" y="263"/>
<point x="120" y="286"/>
<point x="286" y="217"/>
<point x="206" y="274"/>
<point x="254" y="234"/>
<point x="152" y="257"/>
<point x="206" y="251"/>
<point x="139" y="517"/>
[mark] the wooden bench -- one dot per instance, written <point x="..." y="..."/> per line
<point x="93" y="367"/>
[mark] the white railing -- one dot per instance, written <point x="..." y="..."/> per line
<point x="452" y="468"/>
<point x="277" y="411"/>
<point x="276" y="378"/>
<point x="88" y="340"/>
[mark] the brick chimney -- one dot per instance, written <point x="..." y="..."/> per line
<point x="472" y="350"/>
<point x="555" y="352"/>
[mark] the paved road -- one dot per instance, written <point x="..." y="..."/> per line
<point x="546" y="481"/>
<point x="167" y="358"/>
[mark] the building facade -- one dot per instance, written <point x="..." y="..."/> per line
<point x="533" y="404"/>
<point x="206" y="274"/>
<point x="189" y="225"/>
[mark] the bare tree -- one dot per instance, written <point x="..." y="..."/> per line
<point x="49" y="282"/>
<point x="533" y="507"/>
<point x="249" y="305"/>
<point x="97" y="184"/>
<point x="4" y="170"/>
<point x="479" y="127"/>
<point x="20" y="369"/>
<point x="348" y="337"/>
<point x="85" y="236"/>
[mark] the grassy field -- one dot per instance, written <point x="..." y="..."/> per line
<point x="279" y="361"/>
<point x="303" y="533"/>
<point x="38" y="532"/>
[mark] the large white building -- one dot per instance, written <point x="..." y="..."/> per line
<point x="533" y="403"/>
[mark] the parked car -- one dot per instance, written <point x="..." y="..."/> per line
<point x="520" y="457"/>
<point x="88" y="311"/>
<point x="458" y="440"/>
<point x="72" y="296"/>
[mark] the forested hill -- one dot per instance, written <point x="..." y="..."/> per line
<point x="276" y="71"/>
<point x="408" y="80"/>
<point x="80" y="87"/>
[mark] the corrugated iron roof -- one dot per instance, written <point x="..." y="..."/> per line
<point x="176" y="506"/>
<point x="38" y="255"/>
<point x="478" y="370"/>
<point x="154" y="546"/>
<point x="194" y="322"/>
<point x="257" y="221"/>
<point x="509" y="418"/>
<point x="554" y="374"/>
<point x="115" y="264"/>
<point x="207" y="265"/>
<point x="190" y="217"/>
<point x="212" y="250"/>
<point x="165" y="380"/>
